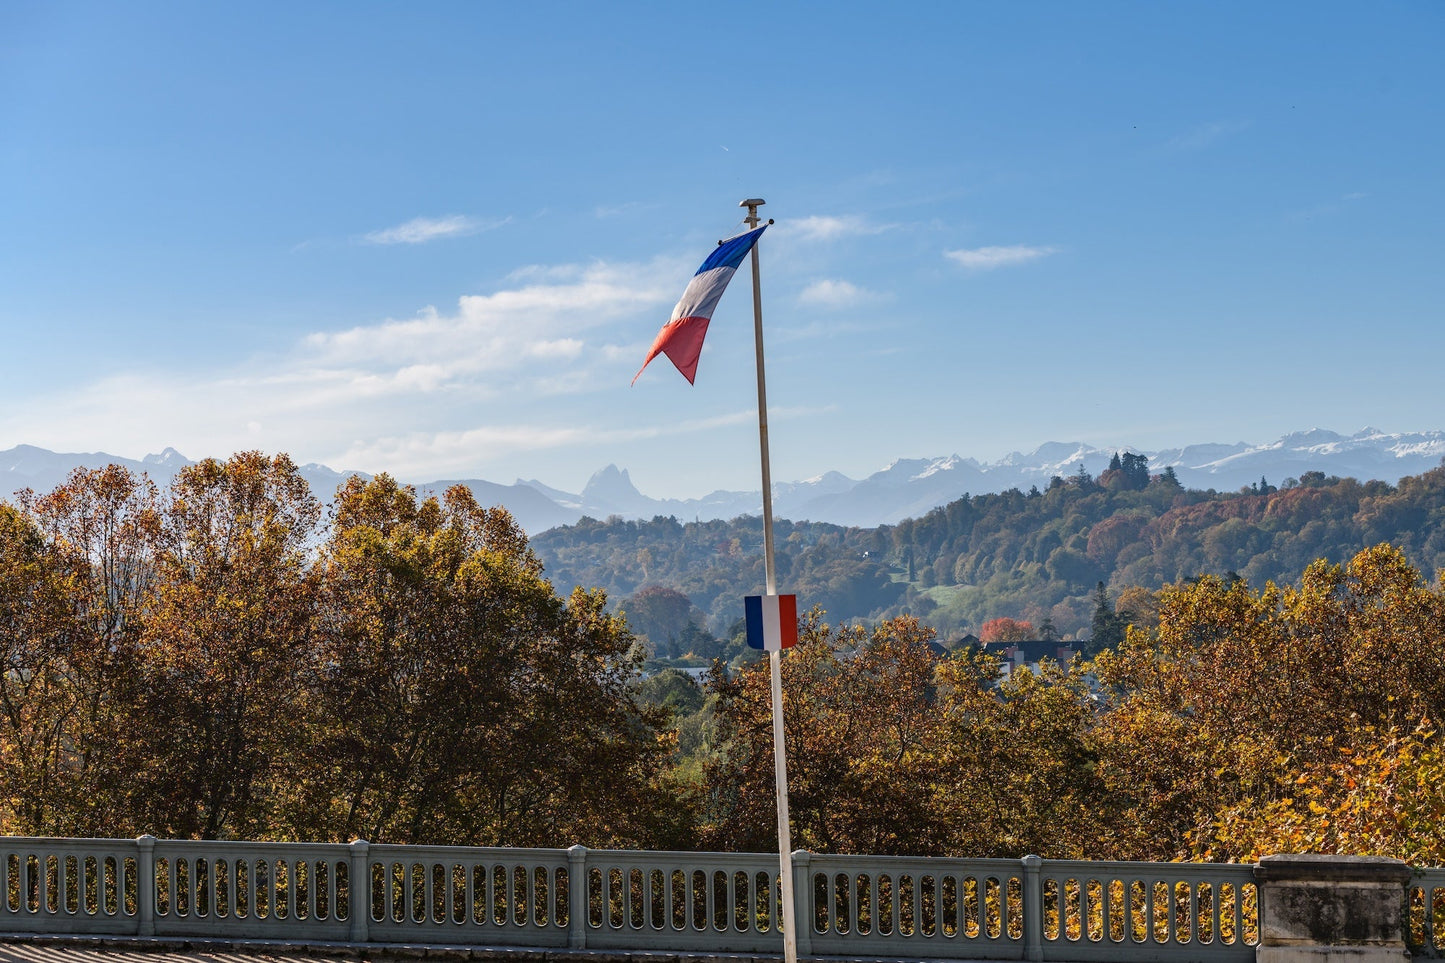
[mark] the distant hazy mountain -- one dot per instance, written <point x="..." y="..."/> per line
<point x="905" y="489"/>
<point x="26" y="466"/>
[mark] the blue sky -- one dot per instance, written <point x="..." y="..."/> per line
<point x="437" y="239"/>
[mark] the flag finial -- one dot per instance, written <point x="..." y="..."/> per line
<point x="752" y="204"/>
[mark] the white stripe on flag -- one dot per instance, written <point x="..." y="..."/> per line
<point x="772" y="624"/>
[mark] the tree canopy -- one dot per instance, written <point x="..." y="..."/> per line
<point x="193" y="664"/>
<point x="214" y="661"/>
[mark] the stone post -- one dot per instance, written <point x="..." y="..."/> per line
<point x="145" y="885"/>
<point x="1342" y="909"/>
<point x="579" y="914"/>
<point x="800" y="914"/>
<point x="359" y="891"/>
<point x="1033" y="908"/>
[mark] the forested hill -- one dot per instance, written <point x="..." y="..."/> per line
<point x="1026" y="555"/>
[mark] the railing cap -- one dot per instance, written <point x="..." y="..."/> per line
<point x="1325" y="867"/>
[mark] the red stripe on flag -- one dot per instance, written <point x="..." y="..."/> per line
<point x="681" y="341"/>
<point x="788" y="620"/>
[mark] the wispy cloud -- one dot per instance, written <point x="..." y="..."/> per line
<point x="481" y="372"/>
<point x="434" y="453"/>
<point x="1197" y="138"/>
<point x="1328" y="208"/>
<point x="989" y="258"/>
<point x="822" y="228"/>
<point x="493" y="332"/>
<point x="817" y="329"/>
<point x="625" y="209"/>
<point x="834" y="294"/>
<point x="420" y="230"/>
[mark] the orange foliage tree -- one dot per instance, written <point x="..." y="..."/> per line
<point x="1005" y="629"/>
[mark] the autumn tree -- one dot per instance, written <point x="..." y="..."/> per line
<point x="1241" y="694"/>
<point x="78" y="564"/>
<point x="862" y="733"/>
<point x="226" y="651"/>
<point x="39" y="714"/>
<point x="462" y="700"/>
<point x="1383" y="794"/>
<point x="1005" y="629"/>
<point x="1017" y="762"/>
<point x="659" y="613"/>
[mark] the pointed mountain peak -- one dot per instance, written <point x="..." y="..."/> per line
<point x="609" y="476"/>
<point x="609" y="484"/>
<point x="166" y="459"/>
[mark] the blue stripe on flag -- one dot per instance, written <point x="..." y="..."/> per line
<point x="730" y="253"/>
<point x="753" y="611"/>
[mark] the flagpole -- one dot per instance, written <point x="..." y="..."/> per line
<point x="775" y="657"/>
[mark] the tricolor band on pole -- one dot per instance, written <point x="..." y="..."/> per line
<point x="772" y="621"/>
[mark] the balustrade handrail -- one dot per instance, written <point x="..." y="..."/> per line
<point x="578" y="898"/>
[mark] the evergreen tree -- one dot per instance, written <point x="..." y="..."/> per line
<point x="1135" y="469"/>
<point x="1108" y="625"/>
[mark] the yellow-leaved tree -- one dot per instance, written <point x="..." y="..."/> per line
<point x="1287" y="718"/>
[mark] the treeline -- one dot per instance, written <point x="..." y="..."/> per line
<point x="1248" y="722"/>
<point x="212" y="662"/>
<point x="1035" y="556"/>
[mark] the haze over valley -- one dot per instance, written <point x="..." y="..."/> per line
<point x="907" y="488"/>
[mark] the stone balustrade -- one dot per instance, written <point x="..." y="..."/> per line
<point x="1283" y="910"/>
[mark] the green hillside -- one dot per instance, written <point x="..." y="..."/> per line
<point x="1032" y="555"/>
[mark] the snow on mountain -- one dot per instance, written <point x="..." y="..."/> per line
<point x="564" y="499"/>
<point x="26" y="466"/>
<point x="168" y="460"/>
<point x="907" y="488"/>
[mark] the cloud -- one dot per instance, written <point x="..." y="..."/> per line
<point x="988" y="258"/>
<point x="816" y="329"/>
<point x="625" y="209"/>
<point x="820" y="228"/>
<point x="420" y="230"/>
<point x="437" y="453"/>
<point x="490" y="365"/>
<point x="500" y="331"/>
<point x="833" y="294"/>
<point x="539" y="363"/>
<point x="1326" y="209"/>
<point x="1202" y="136"/>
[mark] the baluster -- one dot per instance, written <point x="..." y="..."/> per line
<point x="358" y="889"/>
<point x="1033" y="908"/>
<point x="145" y="879"/>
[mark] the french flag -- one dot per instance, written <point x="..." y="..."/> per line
<point x="681" y="338"/>
<point x="772" y="621"/>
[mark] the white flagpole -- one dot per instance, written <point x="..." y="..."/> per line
<point x="780" y="758"/>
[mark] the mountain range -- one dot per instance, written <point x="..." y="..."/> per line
<point x="907" y="488"/>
